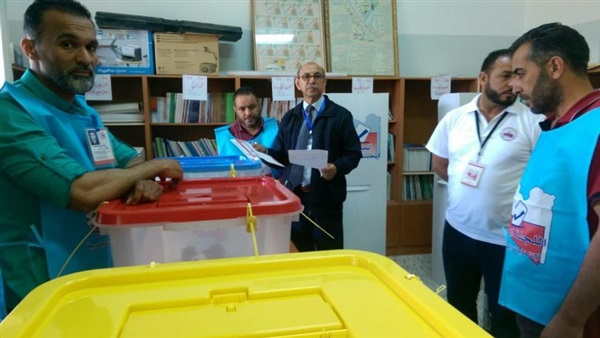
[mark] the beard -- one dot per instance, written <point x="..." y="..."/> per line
<point x="545" y="96"/>
<point x="75" y="84"/>
<point x="496" y="97"/>
<point x="251" y="122"/>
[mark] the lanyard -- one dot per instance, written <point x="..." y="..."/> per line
<point x="491" y="131"/>
<point x="309" y="122"/>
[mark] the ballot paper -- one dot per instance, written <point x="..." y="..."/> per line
<point x="248" y="150"/>
<point x="315" y="158"/>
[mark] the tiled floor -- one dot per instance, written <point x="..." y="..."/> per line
<point x="420" y="265"/>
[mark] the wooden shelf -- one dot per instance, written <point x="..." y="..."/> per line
<point x="416" y="173"/>
<point x="415" y="117"/>
<point x="177" y="125"/>
<point x="392" y="203"/>
<point x="124" y="124"/>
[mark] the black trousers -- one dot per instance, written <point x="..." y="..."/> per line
<point x="307" y="237"/>
<point x="466" y="261"/>
<point x="528" y="327"/>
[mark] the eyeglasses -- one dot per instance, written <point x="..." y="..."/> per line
<point x="317" y="76"/>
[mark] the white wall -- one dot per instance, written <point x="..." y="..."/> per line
<point x="435" y="37"/>
<point x="581" y="15"/>
<point x="453" y="37"/>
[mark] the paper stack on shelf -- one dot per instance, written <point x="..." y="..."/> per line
<point x="417" y="187"/>
<point x="168" y="148"/>
<point x="276" y="109"/>
<point x="127" y="112"/>
<point x="173" y="108"/>
<point x="391" y="151"/>
<point x="416" y="158"/>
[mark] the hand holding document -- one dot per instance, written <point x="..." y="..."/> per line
<point x="315" y="158"/>
<point x="248" y="150"/>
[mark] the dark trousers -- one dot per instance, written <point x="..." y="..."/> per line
<point x="307" y="237"/>
<point x="466" y="260"/>
<point x="528" y="327"/>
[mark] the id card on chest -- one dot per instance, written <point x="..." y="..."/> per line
<point x="472" y="174"/>
<point x="100" y="147"/>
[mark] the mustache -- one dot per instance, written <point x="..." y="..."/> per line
<point x="82" y="68"/>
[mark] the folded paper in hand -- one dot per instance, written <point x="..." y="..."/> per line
<point x="248" y="150"/>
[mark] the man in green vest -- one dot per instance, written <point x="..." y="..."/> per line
<point x="52" y="174"/>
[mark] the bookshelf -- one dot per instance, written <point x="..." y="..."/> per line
<point x="414" y="116"/>
<point x="409" y="222"/>
<point x="415" y="121"/>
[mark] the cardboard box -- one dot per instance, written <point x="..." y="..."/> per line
<point x="179" y="54"/>
<point x="124" y="51"/>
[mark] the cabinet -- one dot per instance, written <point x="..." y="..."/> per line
<point x="409" y="222"/>
<point x="414" y="118"/>
<point x="409" y="225"/>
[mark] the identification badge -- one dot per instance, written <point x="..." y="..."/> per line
<point x="472" y="174"/>
<point x="100" y="147"/>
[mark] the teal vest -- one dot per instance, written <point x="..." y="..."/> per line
<point x="266" y="138"/>
<point x="63" y="229"/>
<point x="548" y="235"/>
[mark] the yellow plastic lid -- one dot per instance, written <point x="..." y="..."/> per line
<point x="340" y="293"/>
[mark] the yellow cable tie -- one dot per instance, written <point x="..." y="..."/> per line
<point x="315" y="224"/>
<point x="251" y="222"/>
<point x="440" y="289"/>
<point x="232" y="172"/>
<point x="412" y="276"/>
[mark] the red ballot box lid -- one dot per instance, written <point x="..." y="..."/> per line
<point x="204" y="200"/>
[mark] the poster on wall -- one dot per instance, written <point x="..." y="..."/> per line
<point x="287" y="33"/>
<point x="362" y="37"/>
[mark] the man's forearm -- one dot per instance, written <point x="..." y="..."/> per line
<point x="91" y="189"/>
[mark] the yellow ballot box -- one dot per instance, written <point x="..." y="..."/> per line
<point x="340" y="293"/>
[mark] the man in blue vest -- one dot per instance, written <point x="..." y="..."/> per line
<point x="249" y="126"/>
<point x="52" y="176"/>
<point x="551" y="274"/>
<point x="481" y="149"/>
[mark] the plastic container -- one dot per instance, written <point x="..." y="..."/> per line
<point x="218" y="166"/>
<point x="318" y="294"/>
<point x="202" y="219"/>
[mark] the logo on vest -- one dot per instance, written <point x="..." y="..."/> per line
<point x="508" y="134"/>
<point x="530" y="225"/>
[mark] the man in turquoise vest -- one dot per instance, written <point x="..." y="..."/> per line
<point x="52" y="173"/>
<point x="249" y="126"/>
<point x="551" y="275"/>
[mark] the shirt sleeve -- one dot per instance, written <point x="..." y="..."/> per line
<point x="124" y="153"/>
<point x="32" y="158"/>
<point x="438" y="142"/>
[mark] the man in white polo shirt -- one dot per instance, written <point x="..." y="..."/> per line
<point x="482" y="148"/>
